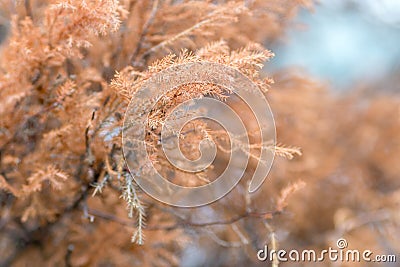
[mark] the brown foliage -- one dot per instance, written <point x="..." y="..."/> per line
<point x="67" y="72"/>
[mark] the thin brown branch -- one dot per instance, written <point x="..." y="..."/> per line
<point x="181" y="223"/>
<point x="28" y="8"/>
<point x="145" y="30"/>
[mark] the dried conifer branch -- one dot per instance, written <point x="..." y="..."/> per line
<point x="133" y="203"/>
<point x="287" y="152"/>
<point x="220" y="16"/>
<point x="286" y="192"/>
<point x="99" y="186"/>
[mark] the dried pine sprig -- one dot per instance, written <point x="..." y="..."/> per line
<point x="248" y="60"/>
<point x="220" y="16"/>
<point x="134" y="205"/>
<point x="286" y="192"/>
<point x="287" y="152"/>
<point x="53" y="175"/>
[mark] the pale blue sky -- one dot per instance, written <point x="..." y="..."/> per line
<point x="344" y="41"/>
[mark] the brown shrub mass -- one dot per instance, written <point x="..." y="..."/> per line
<point x="68" y="70"/>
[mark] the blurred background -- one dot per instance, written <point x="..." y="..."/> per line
<point x="344" y="43"/>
